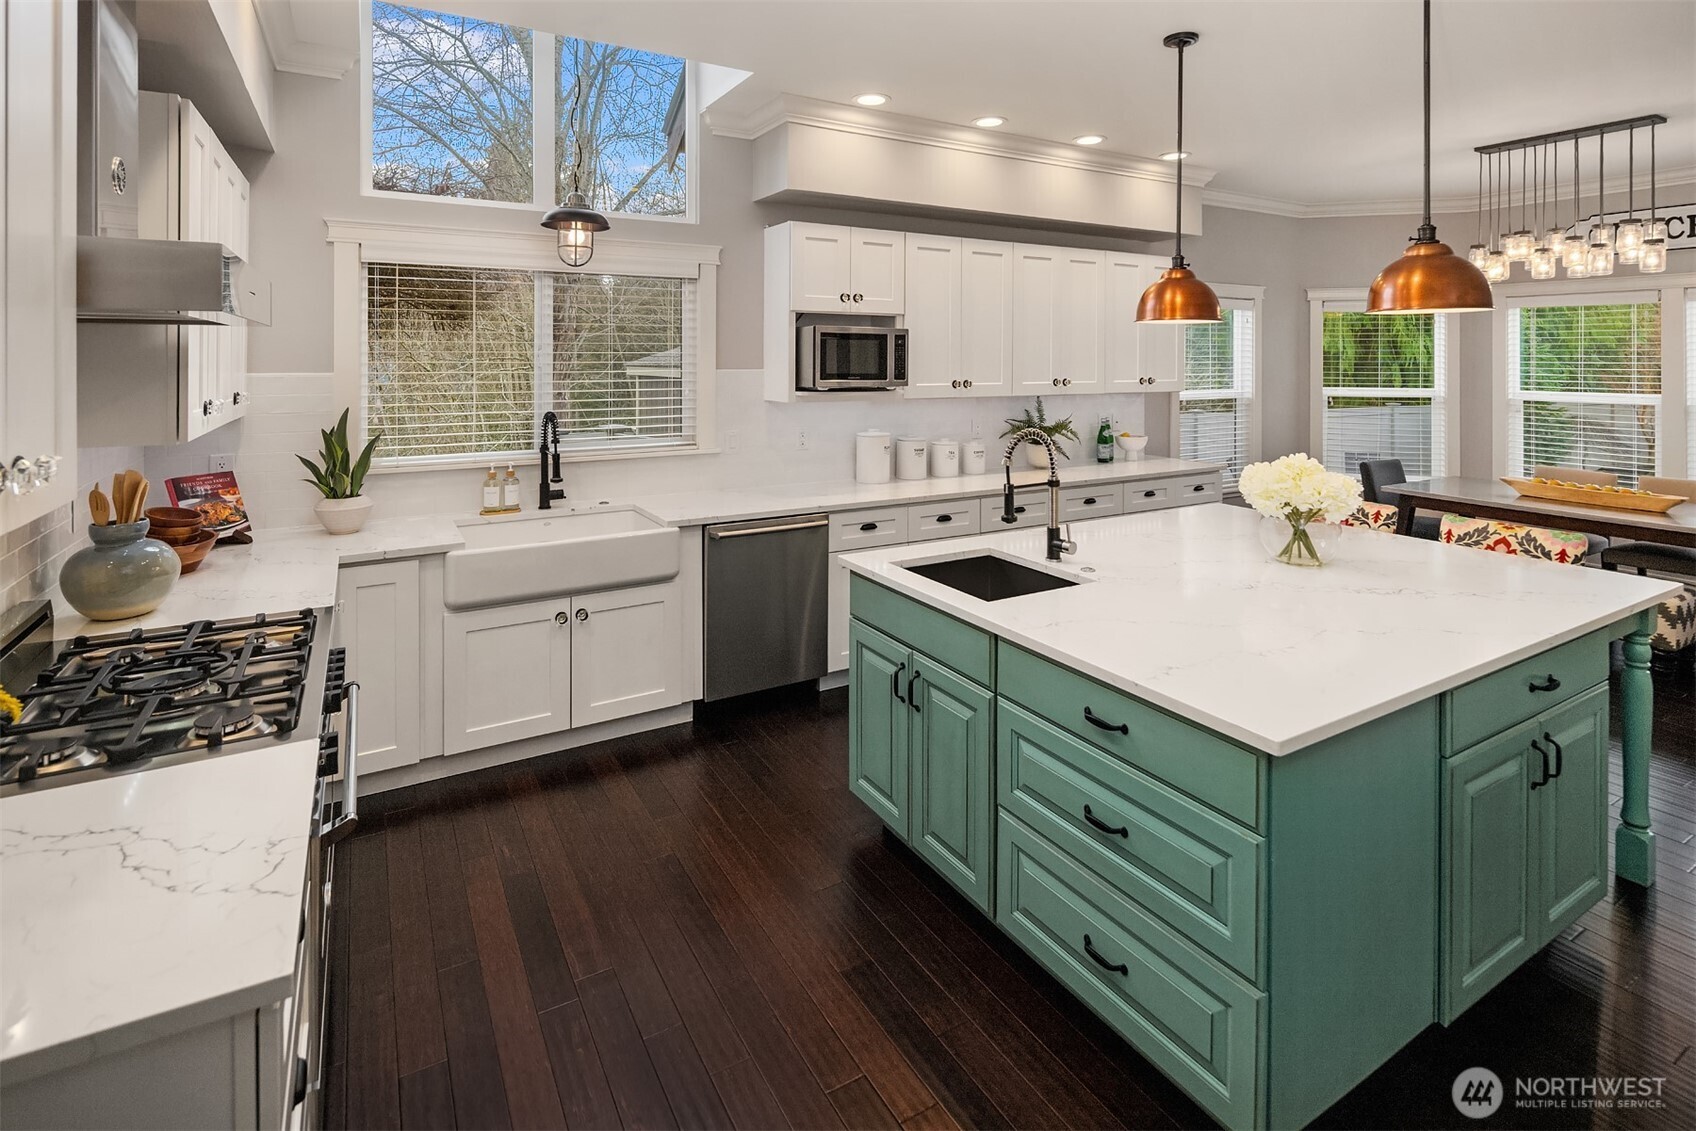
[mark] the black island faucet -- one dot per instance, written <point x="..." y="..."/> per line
<point x="1057" y="544"/>
<point x="550" y="429"/>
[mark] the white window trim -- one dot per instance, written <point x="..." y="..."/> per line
<point x="1319" y="299"/>
<point x="543" y="109"/>
<point x="1672" y="443"/>
<point x="354" y="243"/>
<point x="1256" y="297"/>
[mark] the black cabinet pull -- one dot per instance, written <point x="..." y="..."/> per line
<point x="1018" y="510"/>
<point x="1550" y="683"/>
<point x="1544" y="780"/>
<point x="868" y="527"/>
<point x="945" y="518"/>
<point x="1116" y="967"/>
<point x="1090" y="501"/>
<point x="1560" y="755"/>
<point x="1149" y="494"/>
<point x="1102" y="826"/>
<point x="913" y="700"/>
<point x="1199" y="487"/>
<point x="895" y="682"/>
<point x="1096" y="720"/>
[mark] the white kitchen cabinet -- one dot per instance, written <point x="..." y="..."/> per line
<point x="1078" y="319"/>
<point x="876" y="271"/>
<point x="625" y="658"/>
<point x="506" y="673"/>
<point x="838" y="270"/>
<point x="1141" y="357"/>
<point x="933" y="320"/>
<point x="836" y="614"/>
<point x="170" y="384"/>
<point x="377" y="621"/>
<point x="1036" y="282"/>
<point x="986" y="317"/>
<point x="38" y="370"/>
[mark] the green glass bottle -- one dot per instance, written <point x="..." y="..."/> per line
<point x="1104" y="442"/>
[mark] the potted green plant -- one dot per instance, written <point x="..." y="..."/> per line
<point x="339" y="477"/>
<point x="1056" y="431"/>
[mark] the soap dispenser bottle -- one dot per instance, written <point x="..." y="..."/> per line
<point x="509" y="491"/>
<point x="491" y="493"/>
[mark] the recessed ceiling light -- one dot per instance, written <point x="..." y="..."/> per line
<point x="1175" y="155"/>
<point x="871" y="99"/>
<point x="1088" y="139"/>
<point x="990" y="122"/>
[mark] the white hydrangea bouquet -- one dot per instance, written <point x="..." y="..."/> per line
<point x="1294" y="493"/>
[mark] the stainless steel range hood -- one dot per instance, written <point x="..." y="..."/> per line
<point x="173" y="282"/>
<point x="121" y="278"/>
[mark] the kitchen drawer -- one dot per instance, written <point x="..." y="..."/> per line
<point x="1191" y="760"/>
<point x="1030" y="503"/>
<point x="1194" y="489"/>
<point x="969" y="651"/>
<point x="1197" y="1022"/>
<point x="952" y="519"/>
<point x="1148" y="495"/>
<point x="1078" y="503"/>
<point x="1195" y="871"/>
<point x="1503" y="699"/>
<point x="862" y="530"/>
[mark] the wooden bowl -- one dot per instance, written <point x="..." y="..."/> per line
<point x="175" y="535"/>
<point x="193" y="553"/>
<point x="163" y="517"/>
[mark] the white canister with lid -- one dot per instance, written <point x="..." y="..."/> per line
<point x="974" y="457"/>
<point x="873" y="457"/>
<point x="910" y="455"/>
<point x="944" y="459"/>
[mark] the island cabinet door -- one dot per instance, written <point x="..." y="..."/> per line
<point x="1572" y="809"/>
<point x="878" y="672"/>
<point x="949" y="750"/>
<point x="1491" y="894"/>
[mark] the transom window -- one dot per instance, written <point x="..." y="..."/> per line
<point x="478" y="110"/>
<point x="1383" y="389"/>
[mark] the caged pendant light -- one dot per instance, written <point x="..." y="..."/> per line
<point x="1428" y="277"/>
<point x="574" y="221"/>
<point x="1178" y="296"/>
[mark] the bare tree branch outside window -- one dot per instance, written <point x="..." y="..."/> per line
<point x="621" y="120"/>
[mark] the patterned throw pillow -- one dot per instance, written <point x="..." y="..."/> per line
<point x="1372" y="516"/>
<point x="1675" y="623"/>
<point x="1511" y="538"/>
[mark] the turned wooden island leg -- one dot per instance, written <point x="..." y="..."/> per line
<point x="1634" y="843"/>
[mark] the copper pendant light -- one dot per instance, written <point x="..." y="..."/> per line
<point x="1178" y="296"/>
<point x="1428" y="278"/>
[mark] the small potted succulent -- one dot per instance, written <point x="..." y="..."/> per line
<point x="1038" y="419"/>
<point x="342" y="510"/>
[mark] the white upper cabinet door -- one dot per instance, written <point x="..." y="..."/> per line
<point x="986" y="317"/>
<point x="1078" y="339"/>
<point x="1036" y="282"/>
<point x="876" y="271"/>
<point x="626" y="653"/>
<point x="819" y="276"/>
<point x="1126" y="279"/>
<point x="934" y="317"/>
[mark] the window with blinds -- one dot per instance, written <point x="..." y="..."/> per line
<point x="1584" y="385"/>
<point x="1383" y="387"/>
<point x="1218" y="396"/>
<point x="462" y="362"/>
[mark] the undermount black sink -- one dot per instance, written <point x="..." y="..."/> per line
<point x="989" y="578"/>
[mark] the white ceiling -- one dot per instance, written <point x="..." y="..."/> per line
<point x="1298" y="104"/>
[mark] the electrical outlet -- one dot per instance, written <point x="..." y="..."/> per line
<point x="801" y="440"/>
<point x="977" y="428"/>
<point x="224" y="461"/>
<point x="732" y="440"/>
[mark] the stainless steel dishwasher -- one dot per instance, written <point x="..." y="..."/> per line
<point x="766" y="597"/>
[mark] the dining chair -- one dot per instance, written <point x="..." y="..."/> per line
<point x="1564" y="547"/>
<point x="1645" y="556"/>
<point x="1598" y="543"/>
<point x="1378" y="481"/>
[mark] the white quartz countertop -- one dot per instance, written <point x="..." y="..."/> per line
<point x="1182" y="609"/>
<point x="141" y="904"/>
<point x="697" y="508"/>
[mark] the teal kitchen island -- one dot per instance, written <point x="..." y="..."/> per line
<point x="1267" y="822"/>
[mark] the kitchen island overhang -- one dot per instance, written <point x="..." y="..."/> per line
<point x="1268" y="823"/>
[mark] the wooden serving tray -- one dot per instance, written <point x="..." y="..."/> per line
<point x="1613" y="500"/>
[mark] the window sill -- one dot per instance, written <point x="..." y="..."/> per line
<point x="463" y="463"/>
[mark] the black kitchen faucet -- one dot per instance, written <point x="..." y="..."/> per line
<point x="545" y="475"/>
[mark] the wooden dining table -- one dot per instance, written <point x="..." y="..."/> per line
<point x="1634" y="840"/>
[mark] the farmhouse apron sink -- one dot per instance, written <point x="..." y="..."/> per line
<point x="507" y="562"/>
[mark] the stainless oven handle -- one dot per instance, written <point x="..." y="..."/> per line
<point x="343" y="826"/>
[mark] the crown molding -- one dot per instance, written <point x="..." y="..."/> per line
<point x="1405" y="206"/>
<point x="790" y="109"/>
<point x="292" y="54"/>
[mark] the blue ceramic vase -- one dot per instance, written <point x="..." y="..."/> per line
<point x="124" y="574"/>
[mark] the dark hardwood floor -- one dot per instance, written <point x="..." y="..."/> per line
<point x="702" y="928"/>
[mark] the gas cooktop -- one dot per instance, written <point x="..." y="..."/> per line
<point x="154" y="697"/>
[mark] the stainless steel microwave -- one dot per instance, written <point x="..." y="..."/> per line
<point x="851" y="357"/>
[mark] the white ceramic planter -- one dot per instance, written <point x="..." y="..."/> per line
<point x="1036" y="455"/>
<point x="343" y="516"/>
